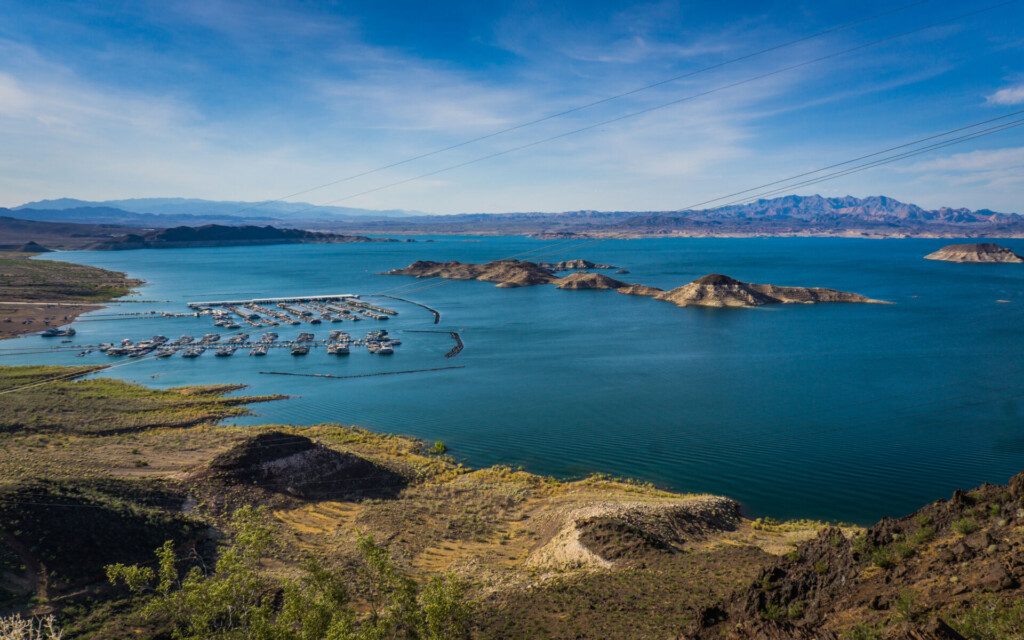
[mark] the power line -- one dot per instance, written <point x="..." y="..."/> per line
<point x="845" y="162"/>
<point x="584" y="106"/>
<point x="885" y="161"/>
<point x="657" y="107"/>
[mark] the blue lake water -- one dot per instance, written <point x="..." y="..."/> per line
<point x="846" y="412"/>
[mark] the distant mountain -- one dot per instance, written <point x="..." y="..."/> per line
<point x="848" y="216"/>
<point x="875" y="216"/>
<point x="220" y="209"/>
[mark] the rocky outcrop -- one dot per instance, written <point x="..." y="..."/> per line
<point x="589" y="281"/>
<point x="914" y="577"/>
<point x="716" y="290"/>
<point x="640" y="290"/>
<point x="33" y="247"/>
<point x="981" y="252"/>
<point x="569" y="265"/>
<point x="286" y="465"/>
<point x="507" y="273"/>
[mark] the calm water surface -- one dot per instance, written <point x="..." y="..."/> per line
<point x="846" y="412"/>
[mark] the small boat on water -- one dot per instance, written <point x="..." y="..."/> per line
<point x="258" y="351"/>
<point x="338" y="349"/>
<point x="304" y="337"/>
<point x="300" y="350"/>
<point x="224" y="352"/>
<point x="165" y="353"/>
<point x="55" y="332"/>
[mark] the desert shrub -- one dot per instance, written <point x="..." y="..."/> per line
<point x="236" y="600"/>
<point x="991" y="618"/>
<point x="906" y="607"/>
<point x="438" y="448"/>
<point x="862" y="631"/>
<point x="882" y="557"/>
<point x="774" y="612"/>
<point x="965" y="526"/>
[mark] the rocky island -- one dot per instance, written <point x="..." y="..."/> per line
<point x="712" y="290"/>
<point x="506" y="273"/>
<point x="980" y="252"/>
<point x="716" y="290"/>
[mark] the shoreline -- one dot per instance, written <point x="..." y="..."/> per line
<point x="25" y="316"/>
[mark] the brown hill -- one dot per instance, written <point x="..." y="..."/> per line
<point x="278" y="464"/>
<point x="584" y="280"/>
<point x="981" y="252"/>
<point x="507" y="273"/>
<point x="716" y="290"/>
<point x="952" y="570"/>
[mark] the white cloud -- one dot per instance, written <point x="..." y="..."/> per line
<point x="1007" y="96"/>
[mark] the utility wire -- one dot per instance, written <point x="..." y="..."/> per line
<point x="581" y="107"/>
<point x="659" y="107"/>
<point x="845" y="162"/>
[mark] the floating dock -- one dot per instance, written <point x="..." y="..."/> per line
<point x="336" y="297"/>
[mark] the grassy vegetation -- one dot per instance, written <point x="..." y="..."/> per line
<point x="991" y="618"/>
<point x="102" y="406"/>
<point x="24" y="279"/>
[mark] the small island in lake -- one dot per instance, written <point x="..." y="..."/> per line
<point x="712" y="290"/>
<point x="980" y="252"/>
<point x="716" y="290"/>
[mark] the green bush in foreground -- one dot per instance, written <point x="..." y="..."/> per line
<point x="236" y="600"/>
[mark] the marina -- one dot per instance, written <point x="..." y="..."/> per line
<point x="378" y="342"/>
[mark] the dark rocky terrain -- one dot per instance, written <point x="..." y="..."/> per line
<point x="215" y="235"/>
<point x="949" y="571"/>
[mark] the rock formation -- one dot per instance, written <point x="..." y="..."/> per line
<point x="589" y="281"/>
<point x="507" y="273"/>
<point x="981" y="252"/>
<point x="716" y="290"/>
<point x="569" y="265"/>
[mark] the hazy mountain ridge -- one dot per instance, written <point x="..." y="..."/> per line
<point x="873" y="216"/>
<point x="200" y="208"/>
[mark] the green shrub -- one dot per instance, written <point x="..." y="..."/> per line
<point x="236" y="600"/>
<point x="966" y="526"/>
<point x="439" y="448"/>
<point x="862" y="631"/>
<point x="991" y="618"/>
<point x="882" y="557"/>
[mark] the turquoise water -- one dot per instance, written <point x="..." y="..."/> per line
<point x="846" y="412"/>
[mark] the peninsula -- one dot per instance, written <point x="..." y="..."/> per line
<point x="981" y="252"/>
<point x="36" y="295"/>
<point x="216" y="235"/>
<point x="712" y="290"/>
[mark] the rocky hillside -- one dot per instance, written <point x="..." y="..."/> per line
<point x="507" y="273"/>
<point x="951" y="570"/>
<point x="982" y="252"/>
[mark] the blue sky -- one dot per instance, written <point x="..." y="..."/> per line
<point x="236" y="100"/>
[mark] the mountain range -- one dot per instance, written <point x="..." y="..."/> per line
<point x="874" y="216"/>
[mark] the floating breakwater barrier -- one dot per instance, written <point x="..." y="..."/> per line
<point x="361" y="375"/>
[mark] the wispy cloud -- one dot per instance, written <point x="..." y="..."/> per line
<point x="1007" y="96"/>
